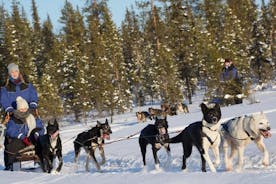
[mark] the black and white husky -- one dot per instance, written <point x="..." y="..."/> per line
<point x="48" y="147"/>
<point x="202" y="134"/>
<point x="155" y="135"/>
<point x="91" y="140"/>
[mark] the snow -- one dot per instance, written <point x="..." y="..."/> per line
<point x="124" y="161"/>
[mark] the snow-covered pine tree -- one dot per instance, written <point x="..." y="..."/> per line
<point x="132" y="47"/>
<point x="117" y="95"/>
<point x="74" y="65"/>
<point x="260" y="53"/>
<point x="48" y="88"/>
<point x="18" y="42"/>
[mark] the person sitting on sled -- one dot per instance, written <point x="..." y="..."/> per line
<point x="19" y="127"/>
<point x="230" y="81"/>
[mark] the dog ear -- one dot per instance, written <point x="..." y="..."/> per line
<point x="253" y="127"/>
<point x="98" y="124"/>
<point x="106" y="121"/>
<point x="204" y="108"/>
<point x="55" y="122"/>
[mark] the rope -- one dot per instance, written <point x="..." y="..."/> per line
<point x="132" y="137"/>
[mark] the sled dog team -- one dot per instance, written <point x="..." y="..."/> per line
<point x="233" y="135"/>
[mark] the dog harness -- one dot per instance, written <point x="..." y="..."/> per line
<point x="209" y="138"/>
<point x="226" y="129"/>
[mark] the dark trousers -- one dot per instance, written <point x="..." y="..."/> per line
<point x="12" y="146"/>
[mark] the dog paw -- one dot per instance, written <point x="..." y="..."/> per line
<point x="102" y="162"/>
<point x="265" y="163"/>
<point x="184" y="170"/>
<point x="216" y="163"/>
<point x="55" y="172"/>
<point x="157" y="167"/>
<point x="98" y="167"/>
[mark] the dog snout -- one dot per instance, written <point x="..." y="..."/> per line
<point x="214" y="119"/>
<point x="268" y="128"/>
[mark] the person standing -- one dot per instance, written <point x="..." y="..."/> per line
<point x="230" y="81"/>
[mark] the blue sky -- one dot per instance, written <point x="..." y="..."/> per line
<point x="53" y="7"/>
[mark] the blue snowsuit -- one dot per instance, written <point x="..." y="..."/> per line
<point x="10" y="92"/>
<point x="19" y="130"/>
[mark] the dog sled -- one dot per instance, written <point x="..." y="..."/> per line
<point x="228" y="93"/>
<point x="26" y="154"/>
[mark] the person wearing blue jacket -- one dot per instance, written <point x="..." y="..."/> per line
<point x="230" y="82"/>
<point x="19" y="128"/>
<point x="229" y="71"/>
<point x="16" y="86"/>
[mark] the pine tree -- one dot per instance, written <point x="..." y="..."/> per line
<point x="18" y="42"/>
<point x="180" y="26"/>
<point x="132" y="47"/>
<point x="95" y="51"/>
<point x="74" y="63"/>
<point x="272" y="10"/>
<point x="115" y="89"/>
<point x="3" y="49"/>
<point x="260" y="48"/>
<point x="48" y="90"/>
<point x="36" y="41"/>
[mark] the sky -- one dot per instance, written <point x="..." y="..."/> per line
<point x="53" y="7"/>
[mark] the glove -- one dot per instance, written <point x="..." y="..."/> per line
<point x="33" y="106"/>
<point x="9" y="110"/>
<point x="27" y="141"/>
<point x="36" y="135"/>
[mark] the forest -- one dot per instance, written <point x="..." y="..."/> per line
<point x="164" y="51"/>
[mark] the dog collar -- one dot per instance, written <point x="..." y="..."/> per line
<point x="204" y="125"/>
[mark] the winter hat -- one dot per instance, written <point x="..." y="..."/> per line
<point x="227" y="60"/>
<point x="21" y="103"/>
<point x="13" y="67"/>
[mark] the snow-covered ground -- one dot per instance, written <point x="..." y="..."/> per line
<point x="124" y="161"/>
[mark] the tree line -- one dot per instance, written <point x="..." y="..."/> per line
<point x="163" y="50"/>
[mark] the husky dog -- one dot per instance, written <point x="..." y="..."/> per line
<point x="202" y="134"/>
<point x="155" y="135"/>
<point x="239" y="132"/>
<point x="169" y="109"/>
<point x="91" y="140"/>
<point x="48" y="147"/>
<point x="181" y="107"/>
<point x="157" y="113"/>
<point x="142" y="116"/>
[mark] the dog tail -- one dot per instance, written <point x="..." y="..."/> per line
<point x="176" y="139"/>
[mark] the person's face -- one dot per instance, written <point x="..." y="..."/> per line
<point x="14" y="74"/>
<point x="23" y="110"/>
<point x="227" y="64"/>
